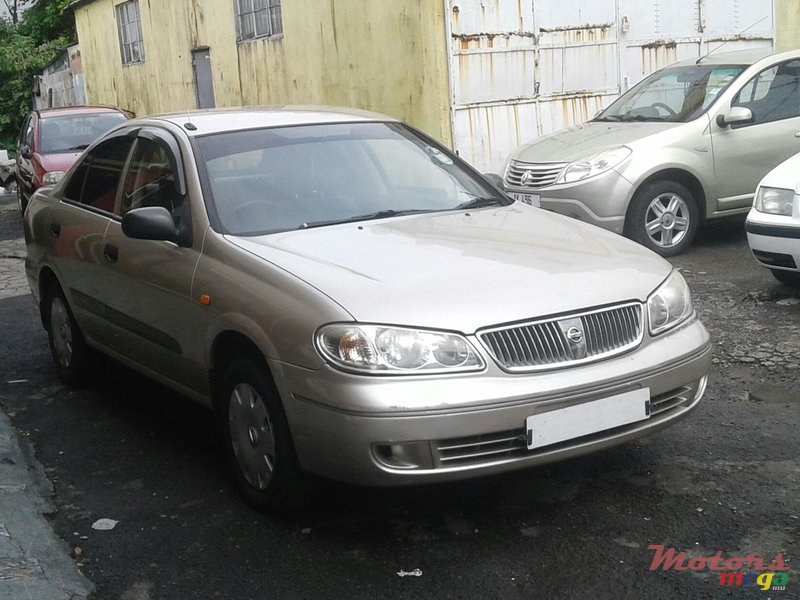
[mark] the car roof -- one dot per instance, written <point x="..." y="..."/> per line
<point x="739" y="57"/>
<point x="206" y="122"/>
<point x="47" y="113"/>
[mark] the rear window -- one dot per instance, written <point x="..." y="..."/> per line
<point x="74" y="133"/>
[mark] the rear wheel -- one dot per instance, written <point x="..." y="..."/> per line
<point x="256" y="438"/>
<point x="663" y="216"/>
<point x="787" y="277"/>
<point x="73" y="358"/>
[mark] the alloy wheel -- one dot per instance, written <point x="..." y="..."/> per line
<point x="667" y="220"/>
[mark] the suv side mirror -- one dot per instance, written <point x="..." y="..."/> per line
<point x="737" y="114"/>
<point x="25" y="151"/>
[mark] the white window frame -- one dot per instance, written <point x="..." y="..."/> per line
<point x="129" y="27"/>
<point x="256" y="19"/>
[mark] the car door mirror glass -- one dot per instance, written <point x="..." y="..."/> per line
<point x="25" y="151"/>
<point x="150" y="223"/>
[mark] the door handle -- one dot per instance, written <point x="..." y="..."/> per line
<point x="111" y="253"/>
<point x="55" y="229"/>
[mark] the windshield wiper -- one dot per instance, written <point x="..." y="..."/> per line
<point x="608" y="118"/>
<point x="81" y="147"/>
<point x="381" y="214"/>
<point x="627" y="118"/>
<point x="481" y="203"/>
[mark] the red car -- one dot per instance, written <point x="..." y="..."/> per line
<point x="51" y="140"/>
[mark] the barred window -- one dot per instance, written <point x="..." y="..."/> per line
<point x="258" y="18"/>
<point x="129" y="25"/>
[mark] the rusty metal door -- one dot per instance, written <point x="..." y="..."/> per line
<point x="520" y="69"/>
<point x="203" y="79"/>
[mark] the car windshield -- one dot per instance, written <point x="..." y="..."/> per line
<point x="279" y="179"/>
<point x="674" y="94"/>
<point x="75" y="132"/>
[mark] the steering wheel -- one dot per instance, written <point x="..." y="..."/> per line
<point x="671" y="112"/>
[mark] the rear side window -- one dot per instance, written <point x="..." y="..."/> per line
<point x="96" y="180"/>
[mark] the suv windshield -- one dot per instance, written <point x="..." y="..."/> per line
<point x="269" y="180"/>
<point x="674" y="94"/>
<point x="75" y="132"/>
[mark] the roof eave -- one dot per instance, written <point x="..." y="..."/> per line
<point x="78" y="3"/>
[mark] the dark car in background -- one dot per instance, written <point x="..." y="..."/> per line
<point x="51" y="141"/>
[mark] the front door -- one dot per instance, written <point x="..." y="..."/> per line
<point x="203" y="79"/>
<point x="744" y="153"/>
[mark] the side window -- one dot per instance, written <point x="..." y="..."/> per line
<point x="773" y="94"/>
<point x="96" y="180"/>
<point x="150" y="180"/>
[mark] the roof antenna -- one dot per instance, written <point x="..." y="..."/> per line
<point x="189" y="125"/>
<point x="699" y="60"/>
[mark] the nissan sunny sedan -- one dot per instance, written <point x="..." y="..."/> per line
<point x="354" y="301"/>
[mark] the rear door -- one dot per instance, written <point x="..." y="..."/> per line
<point x="73" y="232"/>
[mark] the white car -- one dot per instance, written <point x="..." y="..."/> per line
<point x="773" y="225"/>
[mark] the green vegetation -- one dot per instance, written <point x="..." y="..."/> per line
<point x="44" y="28"/>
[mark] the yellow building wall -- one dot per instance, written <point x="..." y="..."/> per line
<point x="386" y="56"/>
<point x="787" y="24"/>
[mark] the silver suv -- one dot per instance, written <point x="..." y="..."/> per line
<point x="689" y="142"/>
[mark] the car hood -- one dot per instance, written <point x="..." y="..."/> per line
<point x="583" y="140"/>
<point x="464" y="271"/>
<point x="58" y="162"/>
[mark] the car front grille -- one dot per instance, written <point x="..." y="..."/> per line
<point x="670" y="400"/>
<point x="567" y="340"/>
<point x="537" y="175"/>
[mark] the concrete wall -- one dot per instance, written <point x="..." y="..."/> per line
<point x="787" y="24"/>
<point x="389" y="57"/>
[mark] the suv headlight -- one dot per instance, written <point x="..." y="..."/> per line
<point x="53" y="177"/>
<point x="669" y="305"/>
<point x="387" y="350"/>
<point x="593" y="165"/>
<point x="774" y="201"/>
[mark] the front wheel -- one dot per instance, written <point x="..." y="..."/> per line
<point x="256" y="438"/>
<point x="788" y="277"/>
<point x="663" y="216"/>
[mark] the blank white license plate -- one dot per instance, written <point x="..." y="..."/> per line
<point x="590" y="417"/>
<point x="532" y="199"/>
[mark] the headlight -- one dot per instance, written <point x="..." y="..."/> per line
<point x="670" y="304"/>
<point x="385" y="350"/>
<point x="775" y="201"/>
<point x="53" y="177"/>
<point x="594" y="165"/>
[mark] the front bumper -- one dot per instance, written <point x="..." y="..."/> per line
<point x="774" y="240"/>
<point x="601" y="200"/>
<point x="405" y="430"/>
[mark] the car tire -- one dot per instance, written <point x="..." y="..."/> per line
<point x="73" y="358"/>
<point x="787" y="277"/>
<point x="256" y="439"/>
<point x="663" y="216"/>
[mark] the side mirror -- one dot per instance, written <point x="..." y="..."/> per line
<point x="25" y="151"/>
<point x="737" y="114"/>
<point x="495" y="179"/>
<point x="152" y="223"/>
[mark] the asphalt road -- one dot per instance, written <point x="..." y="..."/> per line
<point x="727" y="479"/>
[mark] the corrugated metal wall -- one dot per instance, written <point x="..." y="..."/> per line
<point x="524" y="68"/>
